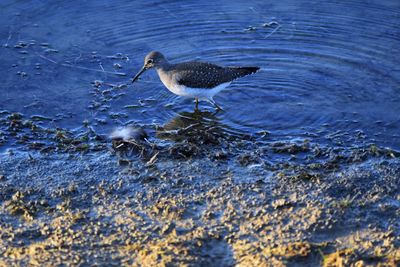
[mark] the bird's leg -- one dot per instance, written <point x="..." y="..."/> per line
<point x="218" y="108"/>
<point x="197" y="103"/>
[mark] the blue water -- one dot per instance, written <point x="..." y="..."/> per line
<point x="329" y="68"/>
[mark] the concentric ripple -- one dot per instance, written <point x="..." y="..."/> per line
<point x="326" y="66"/>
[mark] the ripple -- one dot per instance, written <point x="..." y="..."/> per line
<point x="333" y="63"/>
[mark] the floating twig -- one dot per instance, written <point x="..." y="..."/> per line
<point x="80" y="67"/>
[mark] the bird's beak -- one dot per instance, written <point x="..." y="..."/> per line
<point x="139" y="73"/>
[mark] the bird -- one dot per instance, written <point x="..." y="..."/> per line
<point x="193" y="79"/>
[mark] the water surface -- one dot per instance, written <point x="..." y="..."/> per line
<point x="329" y="68"/>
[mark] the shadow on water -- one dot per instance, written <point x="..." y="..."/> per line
<point x="186" y="125"/>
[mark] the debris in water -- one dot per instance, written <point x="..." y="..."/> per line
<point x="129" y="133"/>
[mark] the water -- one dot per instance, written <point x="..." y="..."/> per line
<point x="329" y="68"/>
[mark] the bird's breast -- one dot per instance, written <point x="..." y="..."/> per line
<point x="170" y="82"/>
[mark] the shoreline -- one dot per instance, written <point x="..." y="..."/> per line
<point x="210" y="207"/>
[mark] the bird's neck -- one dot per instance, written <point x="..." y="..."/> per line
<point x="163" y="66"/>
<point x="164" y="75"/>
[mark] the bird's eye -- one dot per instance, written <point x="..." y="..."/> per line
<point x="150" y="61"/>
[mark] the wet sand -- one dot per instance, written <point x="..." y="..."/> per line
<point x="198" y="203"/>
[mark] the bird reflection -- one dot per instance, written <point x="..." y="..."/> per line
<point x="192" y="125"/>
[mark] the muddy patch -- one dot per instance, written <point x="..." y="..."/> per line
<point x="233" y="201"/>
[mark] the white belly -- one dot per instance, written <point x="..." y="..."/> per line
<point x="202" y="93"/>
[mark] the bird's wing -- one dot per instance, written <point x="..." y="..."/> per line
<point x="201" y="75"/>
<point x="206" y="75"/>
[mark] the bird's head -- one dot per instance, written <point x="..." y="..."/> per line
<point x="153" y="59"/>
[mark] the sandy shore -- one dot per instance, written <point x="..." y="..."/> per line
<point x="211" y="206"/>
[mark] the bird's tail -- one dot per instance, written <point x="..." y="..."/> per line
<point x="244" y="71"/>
